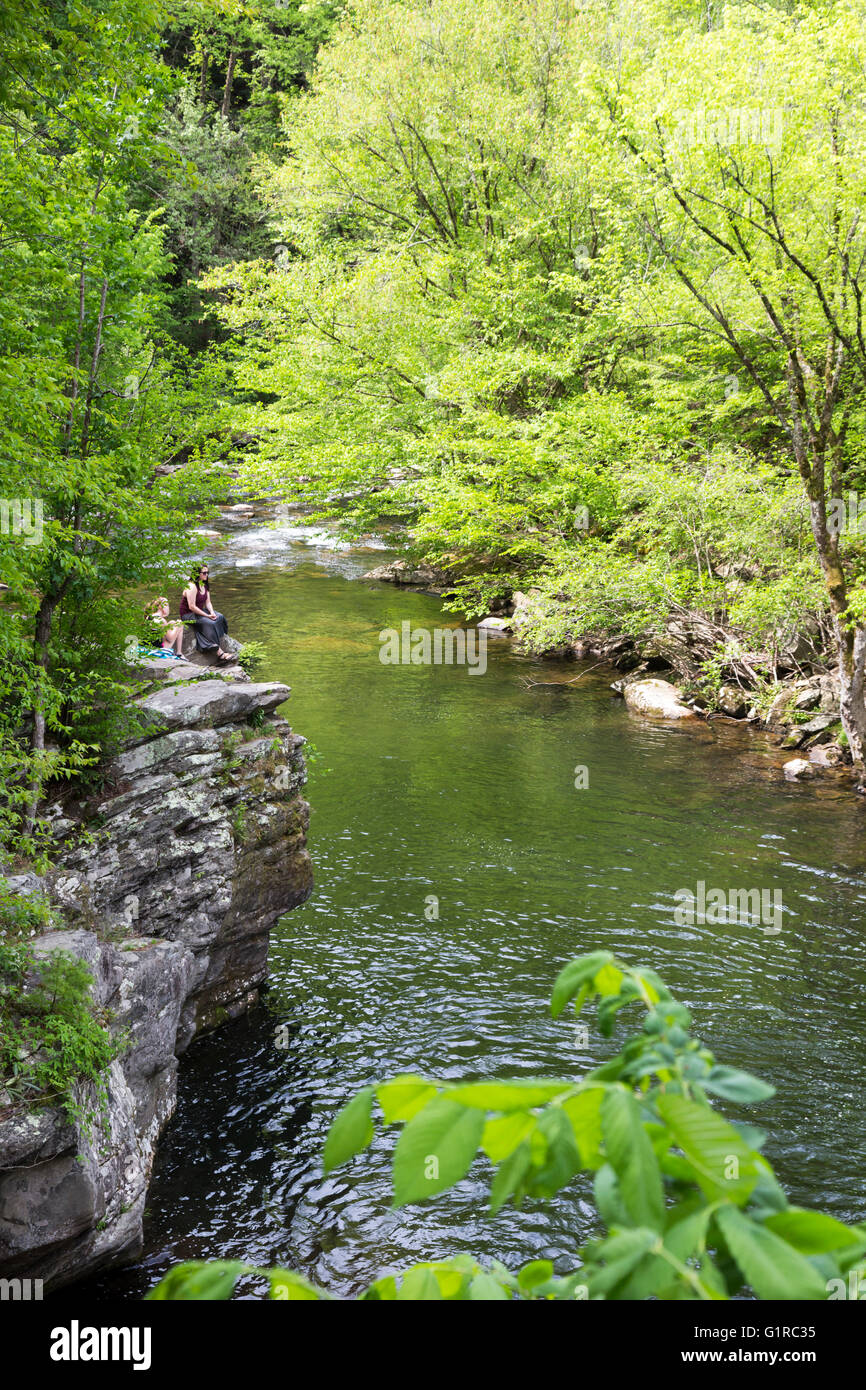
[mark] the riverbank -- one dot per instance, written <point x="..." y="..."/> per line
<point x="691" y="666"/>
<point x="791" y="696"/>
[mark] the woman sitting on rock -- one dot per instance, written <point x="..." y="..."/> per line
<point x="168" y="634"/>
<point x="196" y="608"/>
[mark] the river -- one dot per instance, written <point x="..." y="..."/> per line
<point x="458" y="865"/>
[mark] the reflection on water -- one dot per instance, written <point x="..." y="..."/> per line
<point x="428" y="782"/>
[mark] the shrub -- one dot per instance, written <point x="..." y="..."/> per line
<point x="53" y="1035"/>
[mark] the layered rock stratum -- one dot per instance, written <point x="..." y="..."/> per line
<point x="174" y="874"/>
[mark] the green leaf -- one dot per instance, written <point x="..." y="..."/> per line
<point x="382" y="1291"/>
<point x="630" y="1153"/>
<point x="622" y="1253"/>
<point x="773" y="1268"/>
<point x="711" y="1277"/>
<point x="533" y="1274"/>
<point x="685" y="1237"/>
<point x="199" y="1280"/>
<point x="724" y="1166"/>
<point x="508" y="1095"/>
<point x="608" y="1197"/>
<point x="288" y="1287"/>
<point x="502" y="1134"/>
<point x="581" y="997"/>
<point x="510" y="1177"/>
<point x="654" y="985"/>
<point x="811" y="1232"/>
<point x="732" y="1084"/>
<point x="435" y="1150"/>
<point x="573" y="975"/>
<point x="351" y="1131"/>
<point x="454" y="1277"/>
<point x="584" y="1115"/>
<point x="403" y="1097"/>
<point x="485" y="1289"/>
<point x="419" y="1285"/>
<point x="561" y="1158"/>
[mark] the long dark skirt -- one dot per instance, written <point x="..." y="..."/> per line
<point x="209" y="631"/>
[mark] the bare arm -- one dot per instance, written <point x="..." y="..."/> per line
<point x="190" y="598"/>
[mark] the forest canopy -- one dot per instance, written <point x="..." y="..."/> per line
<point x="570" y="293"/>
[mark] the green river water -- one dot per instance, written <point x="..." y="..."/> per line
<point x="430" y="782"/>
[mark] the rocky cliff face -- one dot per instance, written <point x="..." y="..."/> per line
<point x="199" y="845"/>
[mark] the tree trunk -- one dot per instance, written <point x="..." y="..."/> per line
<point x="227" y="93"/>
<point x="41" y="639"/>
<point x="850" y="641"/>
<point x="852" y="702"/>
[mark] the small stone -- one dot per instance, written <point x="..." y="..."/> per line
<point x="797" y="768"/>
<point x="826" y="755"/>
<point x="818" y="724"/>
<point x="656" y="698"/>
<point x="732" y="701"/>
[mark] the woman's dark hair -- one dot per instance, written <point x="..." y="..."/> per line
<point x="196" y="575"/>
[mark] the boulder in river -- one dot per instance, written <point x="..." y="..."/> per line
<point x="826" y="755"/>
<point x="410" y="575"/>
<point x="733" y="701"/>
<point x="656" y="698"/>
<point x="796" y="768"/>
<point x="495" y="627"/>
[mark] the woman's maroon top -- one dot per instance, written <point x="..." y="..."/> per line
<point x="201" y="598"/>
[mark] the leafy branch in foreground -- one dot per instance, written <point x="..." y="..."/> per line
<point x="692" y="1208"/>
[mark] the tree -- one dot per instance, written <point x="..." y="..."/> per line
<point x="468" y="325"/>
<point x="755" y="208"/>
<point x="89" y="399"/>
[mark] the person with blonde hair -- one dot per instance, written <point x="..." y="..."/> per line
<point x="168" y="634"/>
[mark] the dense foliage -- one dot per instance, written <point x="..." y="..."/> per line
<point x="54" y="1042"/>
<point x="94" y="393"/>
<point x="691" y="1208"/>
<point x="576" y="292"/>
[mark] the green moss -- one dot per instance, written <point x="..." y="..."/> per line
<point x="239" y="824"/>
